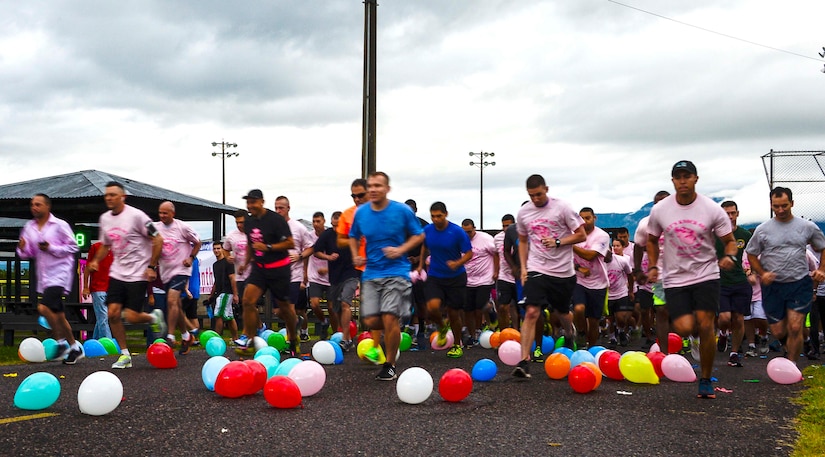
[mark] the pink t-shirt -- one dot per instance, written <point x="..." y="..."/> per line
<point x="316" y="264"/>
<point x="235" y="243"/>
<point x="504" y="272"/>
<point x="598" y="240"/>
<point x="690" y="233"/>
<point x="301" y="237"/>
<point x="178" y="239"/>
<point x="127" y="235"/>
<point x="617" y="270"/>
<point x="480" y="267"/>
<point x="641" y="242"/>
<point x="756" y="293"/>
<point x="556" y="219"/>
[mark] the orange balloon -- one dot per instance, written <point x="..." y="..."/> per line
<point x="510" y="334"/>
<point x="557" y="365"/>
<point x="495" y="340"/>
<point x="596" y="371"/>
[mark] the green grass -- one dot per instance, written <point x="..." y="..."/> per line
<point x="811" y="421"/>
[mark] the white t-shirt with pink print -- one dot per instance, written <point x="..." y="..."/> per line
<point x="598" y="240"/>
<point x="556" y="219"/>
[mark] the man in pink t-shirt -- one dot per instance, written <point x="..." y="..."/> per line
<point x="318" y="277"/>
<point x="299" y="259"/>
<point x="690" y="223"/>
<point x="590" y="292"/>
<point x="506" y="294"/>
<point x="235" y="246"/>
<point x="650" y="298"/>
<point x="482" y="273"/>
<point x="547" y="230"/>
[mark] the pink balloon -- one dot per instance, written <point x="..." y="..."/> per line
<point x="447" y="345"/>
<point x="510" y="352"/>
<point x="310" y="377"/>
<point x="783" y="371"/>
<point x="654" y="348"/>
<point x="677" y="368"/>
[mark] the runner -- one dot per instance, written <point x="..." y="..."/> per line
<point x="482" y="273"/>
<point x="506" y="283"/>
<point x="299" y="259"/>
<point x="318" y="277"/>
<point x="735" y="301"/>
<point x="590" y="292"/>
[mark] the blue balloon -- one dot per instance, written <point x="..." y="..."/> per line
<point x="287" y="365"/>
<point x="210" y="370"/>
<point x="215" y="346"/>
<point x="548" y="344"/>
<point x="93" y="348"/>
<point x="117" y="346"/>
<point x="50" y="347"/>
<point x="595" y="350"/>
<point x="581" y="356"/>
<point x="566" y="351"/>
<point x="339" y="353"/>
<point x="282" y="331"/>
<point x="270" y="362"/>
<point x="38" y="391"/>
<point x="269" y="350"/>
<point x="44" y="323"/>
<point x="265" y="334"/>
<point x="337" y="337"/>
<point x="484" y="370"/>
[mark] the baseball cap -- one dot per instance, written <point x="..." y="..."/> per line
<point x="254" y="194"/>
<point x="685" y="165"/>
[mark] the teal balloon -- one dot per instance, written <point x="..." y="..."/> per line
<point x="93" y="348"/>
<point x="269" y="350"/>
<point x="215" y="346"/>
<point x="336" y="337"/>
<point x="109" y="345"/>
<point x="566" y="351"/>
<point x="581" y="356"/>
<point x="265" y="334"/>
<point x="282" y="331"/>
<point x="44" y="323"/>
<point x="339" y="353"/>
<point x="484" y="370"/>
<point x="270" y="362"/>
<point x="595" y="350"/>
<point x="50" y="347"/>
<point x="286" y="366"/>
<point x="37" y="391"/>
<point x="117" y="346"/>
<point x="210" y="370"/>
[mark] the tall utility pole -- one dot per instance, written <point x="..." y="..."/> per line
<point x="224" y="155"/>
<point x="481" y="164"/>
<point x="368" y="117"/>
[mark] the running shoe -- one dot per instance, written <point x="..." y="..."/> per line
<point x="752" y="351"/>
<point x="734" y="360"/>
<point x="522" y="370"/>
<point x="196" y="341"/>
<point x="694" y="348"/>
<point x="158" y="323"/>
<point x="75" y="354"/>
<point x="421" y="339"/>
<point x="345" y="345"/>
<point x="538" y="356"/>
<point x="455" y="352"/>
<point x="304" y="336"/>
<point x="812" y="355"/>
<point x="706" y="389"/>
<point x="612" y="343"/>
<point x="722" y="342"/>
<point x="124" y="361"/>
<point x="763" y="345"/>
<point x="186" y="344"/>
<point x="623" y="339"/>
<point x="441" y="339"/>
<point x="775" y="346"/>
<point x="63" y="349"/>
<point x="244" y="345"/>
<point x="387" y="373"/>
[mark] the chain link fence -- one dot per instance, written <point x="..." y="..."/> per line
<point x="804" y="173"/>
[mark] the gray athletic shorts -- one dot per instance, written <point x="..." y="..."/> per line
<point x="386" y="296"/>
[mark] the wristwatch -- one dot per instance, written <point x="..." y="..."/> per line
<point x="153" y="267"/>
<point x="733" y="257"/>
<point x="558" y="242"/>
<point x="268" y="247"/>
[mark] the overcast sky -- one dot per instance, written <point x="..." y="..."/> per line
<point x="599" y="98"/>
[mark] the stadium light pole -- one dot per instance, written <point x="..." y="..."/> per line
<point x="481" y="164"/>
<point x="224" y="154"/>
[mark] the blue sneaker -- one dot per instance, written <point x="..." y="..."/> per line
<point x="706" y="389"/>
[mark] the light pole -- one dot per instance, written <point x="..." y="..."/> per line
<point x="224" y="155"/>
<point x="481" y="164"/>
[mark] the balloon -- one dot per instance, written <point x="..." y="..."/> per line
<point x="510" y="353"/>
<point x="783" y="371"/>
<point x="566" y="351"/>
<point x="210" y="370"/>
<point x="269" y="350"/>
<point x="100" y="393"/>
<point x="447" y="345"/>
<point x="323" y="352"/>
<point x="277" y="340"/>
<point x="596" y="371"/>
<point x="269" y="362"/>
<point x="455" y="385"/>
<point x="674" y="343"/>
<point x="108" y="345"/>
<point x="339" y="353"/>
<point x="581" y="356"/>
<point x="353" y="329"/>
<point x="38" y="391"/>
<point x="265" y="334"/>
<point x="677" y="368"/>
<point x="406" y="342"/>
<point x="362" y="347"/>
<point x="582" y="379"/>
<point x="206" y="335"/>
<point x="259" y="343"/>
<point x="637" y="368"/>
<point x="484" y="370"/>
<point x="160" y="341"/>
<point x="44" y="323"/>
<point x="414" y="386"/>
<point x="93" y="348"/>
<point x="337" y="337"/>
<point x="282" y="392"/>
<point x="286" y="366"/>
<point x="31" y="350"/>
<point x="595" y="350"/>
<point x="484" y="339"/>
<point x="656" y="359"/>
<point x="362" y="336"/>
<point x="234" y="380"/>
<point x="560" y="343"/>
<point x="161" y="355"/>
<point x="215" y="346"/>
<point x="310" y="377"/>
<point x="50" y="348"/>
<point x="557" y="365"/>
<point x="510" y="334"/>
<point x="609" y="365"/>
<point x="283" y="331"/>
<point x="259" y="376"/>
<point x="655" y="348"/>
<point x="548" y="344"/>
<point x="495" y="340"/>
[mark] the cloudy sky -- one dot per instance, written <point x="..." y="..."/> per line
<point x="598" y="97"/>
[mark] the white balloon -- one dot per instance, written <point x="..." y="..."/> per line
<point x="100" y="393"/>
<point x="654" y="348"/>
<point x="414" y="386"/>
<point x="31" y="350"/>
<point x="510" y="352"/>
<point x="323" y="352"/>
<point x="259" y="343"/>
<point x="484" y="339"/>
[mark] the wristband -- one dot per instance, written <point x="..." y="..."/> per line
<point x="558" y="242"/>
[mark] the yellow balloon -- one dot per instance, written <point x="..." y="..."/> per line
<point x="637" y="368"/>
<point x="362" y="347"/>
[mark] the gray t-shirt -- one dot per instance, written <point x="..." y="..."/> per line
<point x="782" y="245"/>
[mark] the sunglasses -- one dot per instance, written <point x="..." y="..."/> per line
<point x="361" y="195"/>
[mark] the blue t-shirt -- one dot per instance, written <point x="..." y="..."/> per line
<point x="390" y="227"/>
<point x="448" y="244"/>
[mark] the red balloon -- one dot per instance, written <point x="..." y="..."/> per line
<point x="234" y="380"/>
<point x="455" y="385"/>
<point x="258" y="376"/>
<point x="160" y="355"/>
<point x="282" y="392"/>
<point x="656" y="358"/>
<point x="353" y="329"/>
<point x="582" y="379"/>
<point x="674" y="343"/>
<point x="609" y="364"/>
<point x="363" y="336"/>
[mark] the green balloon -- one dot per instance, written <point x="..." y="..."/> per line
<point x="560" y="343"/>
<point x="109" y="345"/>
<point x="406" y="342"/>
<point x="206" y="335"/>
<point x="277" y="341"/>
<point x="159" y="340"/>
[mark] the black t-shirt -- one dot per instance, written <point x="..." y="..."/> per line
<point x="222" y="269"/>
<point x="341" y="269"/>
<point x="511" y="243"/>
<point x="271" y="228"/>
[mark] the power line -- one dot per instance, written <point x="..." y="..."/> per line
<point x="714" y="31"/>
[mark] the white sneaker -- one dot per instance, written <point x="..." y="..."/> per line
<point x="124" y="361"/>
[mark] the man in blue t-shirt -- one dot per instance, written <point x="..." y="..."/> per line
<point x="449" y="249"/>
<point x="390" y="230"/>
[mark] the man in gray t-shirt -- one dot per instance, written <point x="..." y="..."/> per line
<point x="776" y="253"/>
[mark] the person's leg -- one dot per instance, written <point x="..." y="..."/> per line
<point x="252" y="292"/>
<point x="101" y="316"/>
<point x="528" y="329"/>
<point x="116" y="324"/>
<point x="707" y="343"/>
<point x="795" y="322"/>
<point x="392" y="336"/>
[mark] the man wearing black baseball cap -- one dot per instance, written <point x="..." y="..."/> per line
<point x="685" y="165"/>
